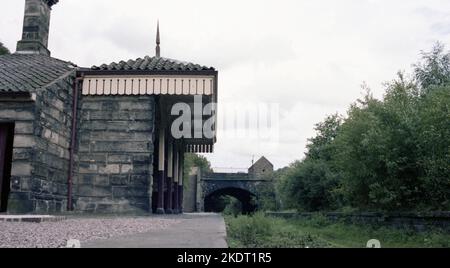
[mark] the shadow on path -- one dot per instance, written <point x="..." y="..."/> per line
<point x="196" y="230"/>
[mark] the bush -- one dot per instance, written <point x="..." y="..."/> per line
<point x="310" y="186"/>
<point x="233" y="207"/>
<point x="250" y="231"/>
<point x="259" y="231"/>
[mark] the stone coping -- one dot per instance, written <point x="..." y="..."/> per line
<point x="436" y="214"/>
<point x="31" y="218"/>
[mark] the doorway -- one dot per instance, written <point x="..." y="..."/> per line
<point x="6" y="150"/>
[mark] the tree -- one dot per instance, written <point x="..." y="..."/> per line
<point x="266" y="192"/>
<point x="377" y="150"/>
<point x="3" y="50"/>
<point x="394" y="153"/>
<point x="434" y="147"/>
<point x="195" y="160"/>
<point x="321" y="146"/>
<point x="434" y="68"/>
<point x="311" y="184"/>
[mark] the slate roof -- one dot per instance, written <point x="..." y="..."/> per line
<point x="26" y="73"/>
<point x="152" y="64"/>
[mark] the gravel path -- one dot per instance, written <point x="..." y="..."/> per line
<point x="56" y="234"/>
<point x="197" y="230"/>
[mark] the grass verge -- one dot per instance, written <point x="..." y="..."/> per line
<point x="260" y="231"/>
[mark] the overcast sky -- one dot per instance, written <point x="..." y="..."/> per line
<point x="310" y="57"/>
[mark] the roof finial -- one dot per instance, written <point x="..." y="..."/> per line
<point x="158" y="42"/>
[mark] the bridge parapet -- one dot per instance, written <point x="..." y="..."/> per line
<point x="226" y="176"/>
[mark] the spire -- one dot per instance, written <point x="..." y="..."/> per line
<point x="158" y="42"/>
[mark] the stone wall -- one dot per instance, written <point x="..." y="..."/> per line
<point x="190" y="190"/>
<point x="53" y="134"/>
<point x="416" y="221"/>
<point x="40" y="153"/>
<point x="22" y="114"/>
<point x="115" y="154"/>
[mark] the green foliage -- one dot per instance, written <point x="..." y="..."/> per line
<point x="377" y="150"/>
<point x="312" y="184"/>
<point x="266" y="192"/>
<point x="321" y="146"/>
<point x="345" y="235"/>
<point x="194" y="160"/>
<point x="3" y="50"/>
<point x="309" y="185"/>
<point x="434" y="70"/>
<point x="233" y="207"/>
<point x="228" y="205"/>
<point x="433" y="148"/>
<point x="259" y="231"/>
<point x="394" y="154"/>
<point x="391" y="154"/>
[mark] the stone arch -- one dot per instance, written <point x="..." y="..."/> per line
<point x="245" y="196"/>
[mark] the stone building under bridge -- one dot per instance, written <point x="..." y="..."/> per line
<point x="95" y="139"/>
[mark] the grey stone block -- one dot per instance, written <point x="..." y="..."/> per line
<point x="21" y="169"/>
<point x="22" y="154"/>
<point x="110" y="106"/>
<point x="93" y="158"/>
<point x="137" y="192"/>
<point x="90" y="104"/>
<point x="19" y="114"/>
<point x="121" y="146"/>
<point x="141" y="126"/>
<point x="119" y="180"/>
<point x="88" y="168"/>
<point x="24" y="128"/>
<point x="101" y="180"/>
<point x="124" y="169"/>
<point x="136" y="105"/>
<point x="141" y="169"/>
<point x="96" y="191"/>
<point x="21" y="141"/>
<point x="111" y="136"/>
<point x="20" y="202"/>
<point x="109" y="169"/>
<point x="141" y="159"/>
<point x="120" y="192"/>
<point x="119" y="158"/>
<point x="140" y="180"/>
<point x="87" y="179"/>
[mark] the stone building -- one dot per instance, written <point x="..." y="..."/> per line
<point x="260" y="168"/>
<point x="96" y="139"/>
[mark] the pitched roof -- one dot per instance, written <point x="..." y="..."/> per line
<point x="152" y="64"/>
<point x="26" y="73"/>
<point x="262" y="159"/>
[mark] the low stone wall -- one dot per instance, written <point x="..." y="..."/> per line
<point x="416" y="221"/>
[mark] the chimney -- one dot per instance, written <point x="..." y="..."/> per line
<point x="36" y="24"/>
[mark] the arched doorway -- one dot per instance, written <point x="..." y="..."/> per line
<point x="215" y="201"/>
